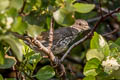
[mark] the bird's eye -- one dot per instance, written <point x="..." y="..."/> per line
<point x="79" y="23"/>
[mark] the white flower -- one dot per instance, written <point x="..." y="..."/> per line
<point x="2" y="12"/>
<point x="101" y="41"/>
<point x="110" y="64"/>
<point x="9" y="22"/>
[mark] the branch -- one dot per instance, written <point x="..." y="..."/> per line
<point x="116" y="26"/>
<point x="90" y="33"/>
<point x="23" y="7"/>
<point x="98" y="18"/>
<point x="44" y="49"/>
<point x="34" y="42"/>
<point x="51" y="34"/>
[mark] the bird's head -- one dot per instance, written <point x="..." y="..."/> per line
<point x="81" y="25"/>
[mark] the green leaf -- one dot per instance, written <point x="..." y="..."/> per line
<point x="94" y="43"/>
<point x="9" y="62"/>
<point x="89" y="78"/>
<point x="91" y="66"/>
<point x="116" y="74"/>
<point x="91" y="72"/>
<point x="4" y="4"/>
<point x="83" y="8"/>
<point x="29" y="53"/>
<point x="34" y="30"/>
<point x="1" y="58"/>
<point x="68" y="5"/>
<point x="19" y="26"/>
<point x="35" y="58"/>
<point x="14" y="44"/>
<point x="12" y="12"/>
<point x="16" y="4"/>
<point x="10" y="78"/>
<point x="98" y="42"/>
<point x="114" y="45"/>
<point x="45" y="73"/>
<point x="63" y="17"/>
<point x="48" y="21"/>
<point x="38" y="3"/>
<point x="118" y="16"/>
<point x="93" y="53"/>
<point x="118" y="41"/>
<point x="1" y="54"/>
<point x="59" y="2"/>
<point x="1" y="78"/>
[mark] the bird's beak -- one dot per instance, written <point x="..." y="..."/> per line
<point x="88" y="28"/>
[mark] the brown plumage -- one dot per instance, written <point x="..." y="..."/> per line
<point x="64" y="36"/>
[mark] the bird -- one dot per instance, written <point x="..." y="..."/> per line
<point x="62" y="37"/>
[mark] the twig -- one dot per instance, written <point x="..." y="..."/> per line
<point x="23" y="7"/>
<point x="116" y="26"/>
<point x="97" y="18"/>
<point x="35" y="42"/>
<point x="55" y="61"/>
<point x="51" y="34"/>
<point x="44" y="49"/>
<point x="89" y="34"/>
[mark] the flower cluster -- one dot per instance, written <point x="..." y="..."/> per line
<point x="110" y="64"/>
<point x="9" y="22"/>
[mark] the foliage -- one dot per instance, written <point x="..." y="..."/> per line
<point x="34" y="16"/>
<point x="101" y="51"/>
<point x="45" y="73"/>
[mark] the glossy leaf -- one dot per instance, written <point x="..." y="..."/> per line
<point x="19" y="26"/>
<point x="4" y="4"/>
<point x="1" y="58"/>
<point x="83" y="8"/>
<point x="16" y="4"/>
<point x="35" y="58"/>
<point x="63" y="17"/>
<point x="1" y="78"/>
<point x="98" y="42"/>
<point x="12" y="12"/>
<point x="9" y="62"/>
<point x="114" y="45"/>
<point x="89" y="78"/>
<point x="91" y="66"/>
<point x="14" y="44"/>
<point x="94" y="43"/>
<point x="34" y="30"/>
<point x="68" y="5"/>
<point x="93" y="53"/>
<point x="1" y="54"/>
<point x="118" y="41"/>
<point x="45" y="73"/>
